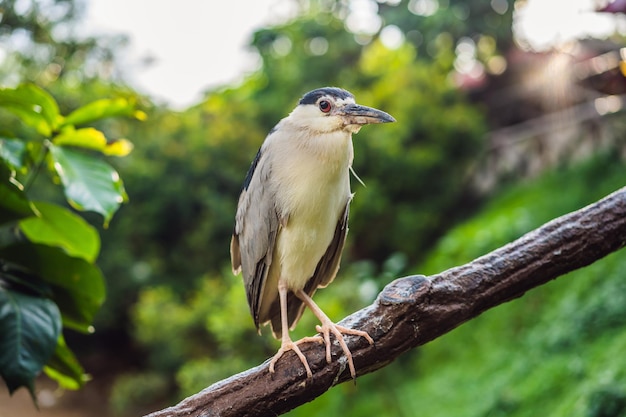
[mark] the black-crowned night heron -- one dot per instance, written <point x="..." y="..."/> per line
<point x="292" y="216"/>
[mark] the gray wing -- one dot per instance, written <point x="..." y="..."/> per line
<point x="256" y="226"/>
<point x="324" y="274"/>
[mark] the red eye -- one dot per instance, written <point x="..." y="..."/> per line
<point x="325" y="106"/>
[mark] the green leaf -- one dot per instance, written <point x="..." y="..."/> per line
<point x="90" y="138"/>
<point x="77" y="286"/>
<point x="33" y="105"/>
<point x="57" y="226"/>
<point x="13" y="203"/>
<point x="13" y="151"/>
<point x="89" y="183"/>
<point x="64" y="368"/>
<point x="104" y="108"/>
<point x="30" y="327"/>
<point x="29" y="116"/>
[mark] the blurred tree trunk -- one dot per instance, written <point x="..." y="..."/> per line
<point x="414" y="310"/>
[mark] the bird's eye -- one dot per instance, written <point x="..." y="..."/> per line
<point x="325" y="106"/>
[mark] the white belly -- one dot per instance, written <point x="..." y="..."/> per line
<point x="307" y="235"/>
<point x="315" y="188"/>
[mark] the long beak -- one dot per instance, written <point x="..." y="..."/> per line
<point x="355" y="114"/>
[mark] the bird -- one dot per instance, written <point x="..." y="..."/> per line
<point x="292" y="217"/>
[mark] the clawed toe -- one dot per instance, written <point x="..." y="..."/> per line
<point x="290" y="345"/>
<point x="325" y="330"/>
<point x="327" y="327"/>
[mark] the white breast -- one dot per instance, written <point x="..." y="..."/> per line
<point x="316" y="188"/>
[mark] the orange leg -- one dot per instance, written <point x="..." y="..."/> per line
<point x="327" y="327"/>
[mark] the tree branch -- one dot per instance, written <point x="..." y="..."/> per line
<point x="414" y="310"/>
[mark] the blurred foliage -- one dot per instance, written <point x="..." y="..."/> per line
<point x="521" y="208"/>
<point x="427" y="21"/>
<point x="176" y="317"/>
<point x="132" y="393"/>
<point x="414" y="171"/>
<point x="554" y="351"/>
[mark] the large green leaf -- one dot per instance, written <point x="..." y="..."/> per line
<point x="104" y="108"/>
<point x="94" y="139"/>
<point x="30" y="327"/>
<point x="20" y="278"/>
<point x="57" y="226"/>
<point x="13" y="203"/>
<point x="89" y="183"/>
<point x="64" y="368"/>
<point x="30" y="116"/>
<point x="13" y="151"/>
<point x="33" y="105"/>
<point x="76" y="285"/>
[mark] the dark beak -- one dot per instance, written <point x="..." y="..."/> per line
<point x="355" y="114"/>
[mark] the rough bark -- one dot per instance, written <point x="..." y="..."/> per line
<point x="413" y="310"/>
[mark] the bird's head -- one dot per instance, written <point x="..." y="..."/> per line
<point x="331" y="109"/>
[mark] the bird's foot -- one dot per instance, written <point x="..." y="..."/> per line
<point x="288" y="345"/>
<point x="327" y="327"/>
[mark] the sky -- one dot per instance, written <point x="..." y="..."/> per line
<point x="198" y="44"/>
<point x="193" y="44"/>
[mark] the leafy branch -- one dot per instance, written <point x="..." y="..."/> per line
<point x="414" y="310"/>
<point x="48" y="277"/>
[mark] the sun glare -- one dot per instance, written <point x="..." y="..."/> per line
<point x="540" y="25"/>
